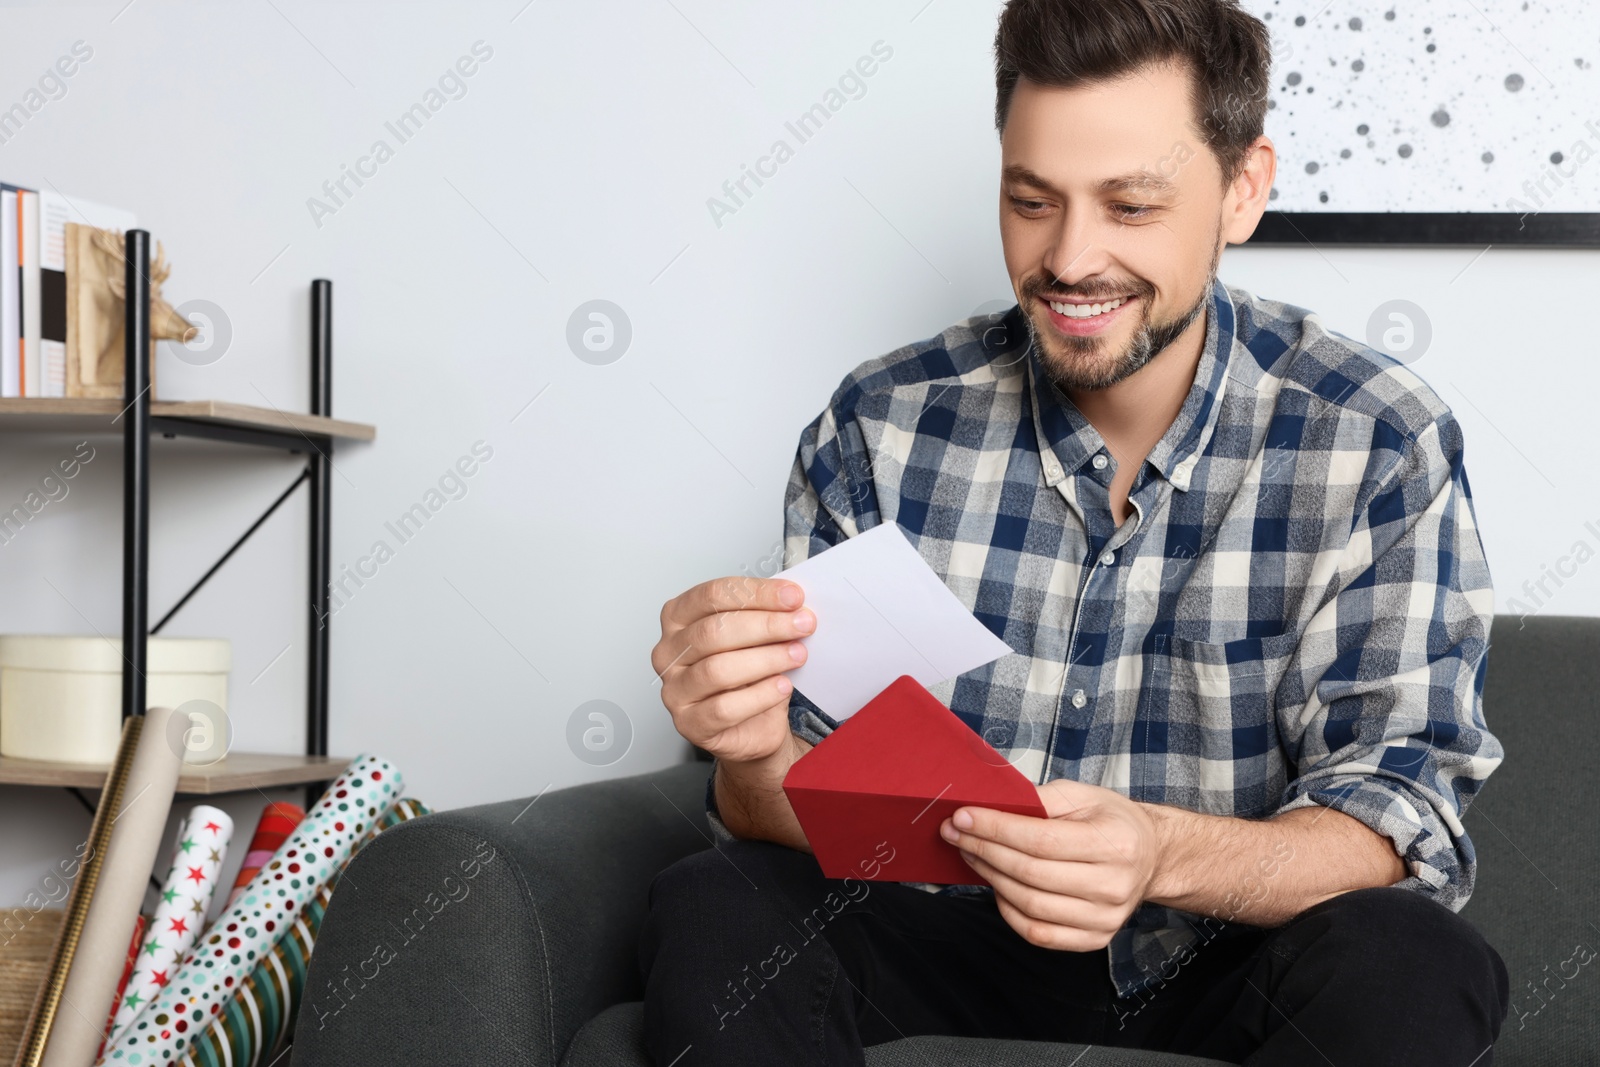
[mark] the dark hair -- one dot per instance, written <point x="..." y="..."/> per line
<point x="1065" y="43"/>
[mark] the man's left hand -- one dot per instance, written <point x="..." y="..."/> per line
<point x="1069" y="881"/>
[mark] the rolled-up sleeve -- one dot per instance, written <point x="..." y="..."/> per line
<point x="1385" y="717"/>
<point x="830" y="496"/>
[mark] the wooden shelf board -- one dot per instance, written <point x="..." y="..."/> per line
<point x="87" y="415"/>
<point x="237" y="773"/>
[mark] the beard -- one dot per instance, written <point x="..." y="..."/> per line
<point x="1086" y="362"/>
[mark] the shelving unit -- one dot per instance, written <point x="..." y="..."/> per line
<point x="312" y="435"/>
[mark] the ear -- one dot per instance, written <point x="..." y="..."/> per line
<point x="1246" y="199"/>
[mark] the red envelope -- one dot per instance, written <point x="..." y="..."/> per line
<point x="872" y="795"/>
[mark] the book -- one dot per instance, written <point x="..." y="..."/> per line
<point x="28" y="257"/>
<point x="55" y="211"/>
<point x="10" y="296"/>
<point x="33" y="284"/>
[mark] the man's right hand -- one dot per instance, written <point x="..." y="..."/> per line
<point x="723" y="650"/>
<point x="724" y="647"/>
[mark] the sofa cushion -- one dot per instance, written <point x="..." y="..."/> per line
<point x="614" y="1038"/>
<point x="1533" y="826"/>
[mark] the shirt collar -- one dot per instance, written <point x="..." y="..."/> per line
<point x="1067" y="440"/>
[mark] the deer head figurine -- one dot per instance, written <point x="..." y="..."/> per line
<point x="97" y="290"/>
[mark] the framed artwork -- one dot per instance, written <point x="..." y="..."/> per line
<point x="1456" y="122"/>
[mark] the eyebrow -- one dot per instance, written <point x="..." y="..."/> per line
<point x="1135" y="181"/>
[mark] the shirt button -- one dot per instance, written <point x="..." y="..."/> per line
<point x="1052" y="470"/>
<point x="1079" y="698"/>
<point x="1100" y="461"/>
<point x="1107" y="558"/>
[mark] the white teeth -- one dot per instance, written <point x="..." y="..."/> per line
<point x="1087" y="311"/>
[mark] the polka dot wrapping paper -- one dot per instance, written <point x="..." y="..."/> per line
<point x="213" y="971"/>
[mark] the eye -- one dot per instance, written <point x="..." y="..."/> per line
<point x="1132" y="211"/>
<point x="1028" y="207"/>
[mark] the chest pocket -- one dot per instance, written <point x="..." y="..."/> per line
<point x="1205" y="735"/>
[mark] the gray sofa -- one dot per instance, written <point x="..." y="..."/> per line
<point x="505" y="934"/>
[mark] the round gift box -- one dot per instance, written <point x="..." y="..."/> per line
<point x="61" y="695"/>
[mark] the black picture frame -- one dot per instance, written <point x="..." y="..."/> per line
<point x="1468" y="229"/>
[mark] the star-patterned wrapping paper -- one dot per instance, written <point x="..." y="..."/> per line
<point x="186" y="892"/>
<point x="211" y="974"/>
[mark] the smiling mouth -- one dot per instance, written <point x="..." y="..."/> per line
<point x="1087" y="318"/>
<point x="1080" y="310"/>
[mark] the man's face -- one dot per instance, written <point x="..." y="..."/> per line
<point x="1109" y="197"/>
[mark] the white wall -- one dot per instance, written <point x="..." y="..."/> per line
<point x="578" y="166"/>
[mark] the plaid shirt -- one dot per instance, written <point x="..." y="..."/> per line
<point x="1295" y="611"/>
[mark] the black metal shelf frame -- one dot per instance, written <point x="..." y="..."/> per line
<point x="138" y="425"/>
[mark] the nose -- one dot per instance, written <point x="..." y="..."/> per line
<point x="1075" y="254"/>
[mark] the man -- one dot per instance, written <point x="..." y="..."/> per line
<point x="1236" y="556"/>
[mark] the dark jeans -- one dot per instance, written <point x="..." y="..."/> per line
<point x="751" y="956"/>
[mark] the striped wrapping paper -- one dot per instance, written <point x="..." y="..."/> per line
<point x="277" y="822"/>
<point x="254" y="1026"/>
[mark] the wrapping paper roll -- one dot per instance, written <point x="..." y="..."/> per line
<point x="254" y="1028"/>
<point x="131" y="855"/>
<point x="245" y="933"/>
<point x="128" y="965"/>
<point x="277" y="822"/>
<point x="85" y="875"/>
<point x="186" y="892"/>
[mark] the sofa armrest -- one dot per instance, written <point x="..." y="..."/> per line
<point x="491" y="934"/>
